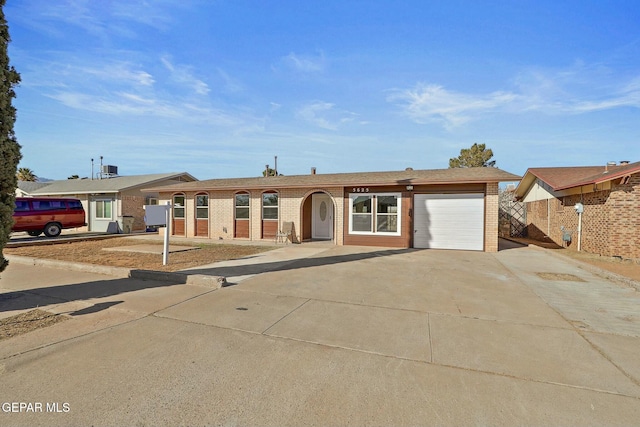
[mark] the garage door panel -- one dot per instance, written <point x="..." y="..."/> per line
<point x="449" y="221"/>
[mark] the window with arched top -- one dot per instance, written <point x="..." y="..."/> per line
<point x="178" y="206"/>
<point x="241" y="215"/>
<point x="242" y="206"/>
<point x="269" y="215"/>
<point x="202" y="206"/>
<point x="178" y="227"/>
<point x="202" y="215"/>
<point x="270" y="206"/>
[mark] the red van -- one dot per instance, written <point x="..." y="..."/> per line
<point x="36" y="215"/>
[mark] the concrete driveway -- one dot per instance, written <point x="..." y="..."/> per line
<point x="331" y="336"/>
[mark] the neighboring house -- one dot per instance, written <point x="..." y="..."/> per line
<point x="446" y="208"/>
<point x="610" y="195"/>
<point x="108" y="200"/>
<point x="25" y="188"/>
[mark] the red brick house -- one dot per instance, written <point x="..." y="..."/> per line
<point x="610" y="196"/>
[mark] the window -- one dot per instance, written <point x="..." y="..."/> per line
<point x="74" y="204"/>
<point x="387" y="214"/>
<point x="375" y="213"/>
<point x="270" y="206"/>
<point x="151" y="200"/>
<point x="46" y="205"/>
<point x="242" y="206"/>
<point x="202" y="206"/>
<point x="103" y="209"/>
<point x="361" y="215"/>
<point x="22" y="206"/>
<point x="178" y="207"/>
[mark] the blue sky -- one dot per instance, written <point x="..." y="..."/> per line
<point x="217" y="88"/>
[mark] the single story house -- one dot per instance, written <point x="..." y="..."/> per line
<point x="445" y="208"/>
<point x="609" y="197"/>
<point x="108" y="201"/>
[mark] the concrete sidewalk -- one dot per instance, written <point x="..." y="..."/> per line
<point x="340" y="335"/>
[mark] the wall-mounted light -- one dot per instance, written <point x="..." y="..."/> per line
<point x="409" y="187"/>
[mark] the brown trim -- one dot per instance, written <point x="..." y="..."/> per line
<point x="307" y="217"/>
<point x="404" y="240"/>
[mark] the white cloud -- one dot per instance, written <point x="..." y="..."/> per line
<point x="312" y="113"/>
<point x="305" y="63"/>
<point x="231" y="85"/>
<point x="124" y="103"/>
<point x="568" y="91"/>
<point x="182" y="74"/>
<point x="120" y="72"/>
<point x="97" y="18"/>
<point x="434" y="103"/>
<point x="324" y="115"/>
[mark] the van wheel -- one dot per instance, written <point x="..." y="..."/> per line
<point x="34" y="233"/>
<point x="52" y="229"/>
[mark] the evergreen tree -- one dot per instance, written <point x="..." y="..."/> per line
<point x="9" y="147"/>
<point x="476" y="156"/>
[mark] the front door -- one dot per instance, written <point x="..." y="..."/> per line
<point x="322" y="222"/>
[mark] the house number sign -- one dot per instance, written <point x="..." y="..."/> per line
<point x="361" y="190"/>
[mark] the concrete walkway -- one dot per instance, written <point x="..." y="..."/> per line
<point x="334" y="336"/>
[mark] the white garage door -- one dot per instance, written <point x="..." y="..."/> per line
<point x="449" y="221"/>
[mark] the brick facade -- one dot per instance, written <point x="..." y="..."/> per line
<point x="610" y="222"/>
<point x="290" y="202"/>
<point x="491" y="208"/>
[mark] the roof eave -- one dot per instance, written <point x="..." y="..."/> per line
<point x="178" y="188"/>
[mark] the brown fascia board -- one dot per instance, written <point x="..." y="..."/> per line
<point x="202" y="185"/>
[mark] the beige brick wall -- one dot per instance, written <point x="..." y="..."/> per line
<point x="222" y="211"/>
<point x="491" y="218"/>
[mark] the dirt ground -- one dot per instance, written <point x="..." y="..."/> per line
<point x="622" y="267"/>
<point x="90" y="252"/>
<point x="27" y="322"/>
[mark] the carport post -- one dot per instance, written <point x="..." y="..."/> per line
<point x="167" y="229"/>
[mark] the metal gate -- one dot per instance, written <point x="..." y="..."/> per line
<point x="512" y="216"/>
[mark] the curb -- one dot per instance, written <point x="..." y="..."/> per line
<point x="215" y="282"/>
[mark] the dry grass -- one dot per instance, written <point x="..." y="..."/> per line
<point x="90" y="252"/>
<point x="27" y="322"/>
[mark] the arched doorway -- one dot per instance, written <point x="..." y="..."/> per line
<point x="318" y="217"/>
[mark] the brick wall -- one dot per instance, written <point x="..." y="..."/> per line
<point x="610" y="221"/>
<point x="624" y="208"/>
<point x="222" y="211"/>
<point x="134" y="206"/>
<point x="491" y="202"/>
